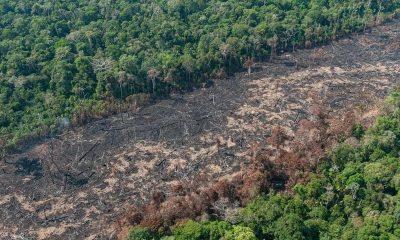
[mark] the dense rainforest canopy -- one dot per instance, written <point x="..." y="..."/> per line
<point x="59" y="58"/>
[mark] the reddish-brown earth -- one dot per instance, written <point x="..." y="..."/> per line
<point x="75" y="185"/>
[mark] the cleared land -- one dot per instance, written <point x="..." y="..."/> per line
<point x="74" y="186"/>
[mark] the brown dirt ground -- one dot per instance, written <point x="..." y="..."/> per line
<point x="75" y="185"/>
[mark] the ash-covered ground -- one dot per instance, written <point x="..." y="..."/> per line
<point x="76" y="185"/>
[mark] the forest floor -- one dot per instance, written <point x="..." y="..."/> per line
<point x="74" y="186"/>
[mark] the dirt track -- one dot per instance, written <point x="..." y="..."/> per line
<point x="74" y="186"/>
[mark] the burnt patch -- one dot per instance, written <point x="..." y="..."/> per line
<point x="29" y="167"/>
<point x="77" y="180"/>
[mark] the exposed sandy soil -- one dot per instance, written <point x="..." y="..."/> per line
<point x="74" y="186"/>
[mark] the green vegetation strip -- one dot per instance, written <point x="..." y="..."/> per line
<point x="64" y="62"/>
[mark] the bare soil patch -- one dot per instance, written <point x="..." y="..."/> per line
<point x="74" y="186"/>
